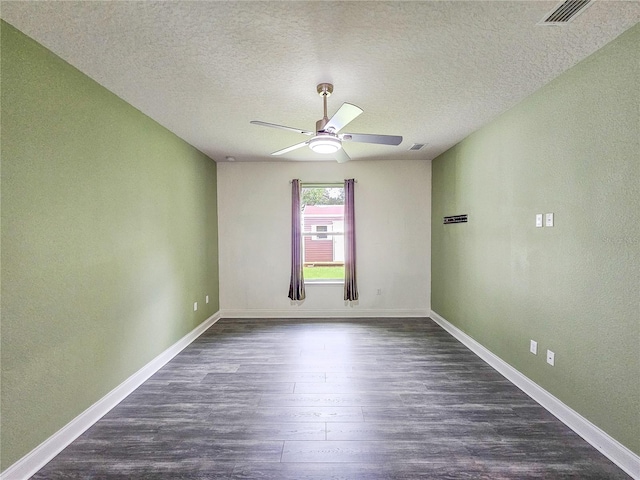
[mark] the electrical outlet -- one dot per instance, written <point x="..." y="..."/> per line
<point x="533" y="347"/>
<point x="548" y="220"/>
<point x="379" y="291"/>
<point x="538" y="220"/>
<point x="206" y="299"/>
<point x="551" y="358"/>
<point x="195" y="306"/>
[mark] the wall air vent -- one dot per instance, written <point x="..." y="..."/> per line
<point x="565" y="12"/>
<point x="417" y="146"/>
<point x="455" y="219"/>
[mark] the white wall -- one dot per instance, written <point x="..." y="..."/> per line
<point x="393" y="218"/>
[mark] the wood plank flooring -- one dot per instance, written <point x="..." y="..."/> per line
<point x="328" y="399"/>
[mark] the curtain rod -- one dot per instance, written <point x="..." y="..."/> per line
<point x="321" y="183"/>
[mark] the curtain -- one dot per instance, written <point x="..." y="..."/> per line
<point x="296" y="285"/>
<point x="350" y="284"/>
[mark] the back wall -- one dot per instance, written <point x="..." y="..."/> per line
<point x="392" y="200"/>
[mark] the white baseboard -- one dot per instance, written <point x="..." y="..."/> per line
<point x="43" y="453"/>
<point x="295" y="312"/>
<point x="610" y="447"/>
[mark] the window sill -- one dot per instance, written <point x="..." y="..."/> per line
<point x="323" y="282"/>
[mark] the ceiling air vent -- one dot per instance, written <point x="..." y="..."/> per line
<point x="417" y="146"/>
<point x="565" y="12"/>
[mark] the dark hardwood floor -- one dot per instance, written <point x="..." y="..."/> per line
<point x="328" y="399"/>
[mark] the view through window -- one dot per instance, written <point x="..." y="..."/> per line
<point x="323" y="232"/>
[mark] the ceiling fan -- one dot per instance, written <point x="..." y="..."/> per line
<point x="326" y="139"/>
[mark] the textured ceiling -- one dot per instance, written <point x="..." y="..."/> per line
<point x="432" y="71"/>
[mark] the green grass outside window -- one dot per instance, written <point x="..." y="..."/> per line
<point x="324" y="273"/>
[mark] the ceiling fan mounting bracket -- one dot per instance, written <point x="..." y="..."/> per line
<point x="325" y="89"/>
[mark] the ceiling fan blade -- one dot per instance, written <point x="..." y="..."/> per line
<point x="370" y="138"/>
<point x="345" y="114"/>
<point x="282" y="127"/>
<point x="341" y="156"/>
<point x="289" y="149"/>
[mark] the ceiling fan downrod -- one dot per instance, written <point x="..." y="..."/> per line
<point x="324" y="90"/>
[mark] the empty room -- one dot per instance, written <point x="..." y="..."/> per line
<point x="319" y="240"/>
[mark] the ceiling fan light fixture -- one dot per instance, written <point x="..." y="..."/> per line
<point x="325" y="144"/>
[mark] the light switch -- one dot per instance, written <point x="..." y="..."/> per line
<point x="548" y="220"/>
<point x="538" y="220"/>
<point x="533" y="347"/>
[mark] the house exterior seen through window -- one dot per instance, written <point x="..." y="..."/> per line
<point x="323" y="232"/>
<point x="318" y="229"/>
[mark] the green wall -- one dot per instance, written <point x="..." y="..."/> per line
<point x="109" y="234"/>
<point x="572" y="148"/>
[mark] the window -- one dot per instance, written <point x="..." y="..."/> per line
<point x="320" y="228"/>
<point x="323" y="232"/>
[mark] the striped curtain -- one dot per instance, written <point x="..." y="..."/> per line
<point x="296" y="285"/>
<point x="350" y="284"/>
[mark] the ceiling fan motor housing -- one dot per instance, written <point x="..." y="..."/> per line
<point x="320" y="124"/>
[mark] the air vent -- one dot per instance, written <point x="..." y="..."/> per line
<point x="417" y="146"/>
<point x="565" y="12"/>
